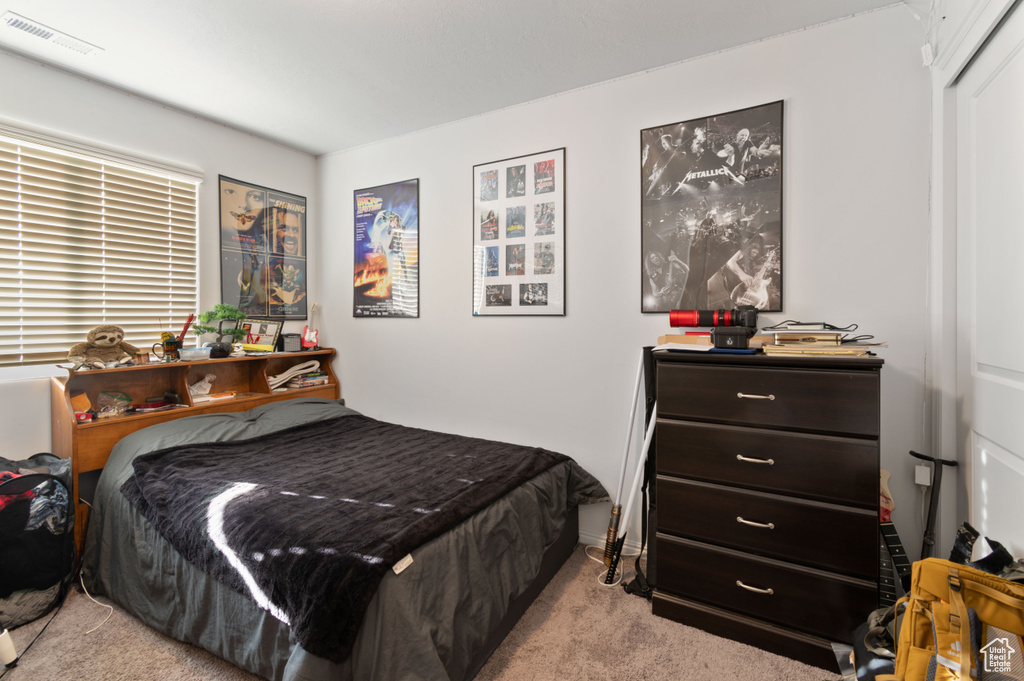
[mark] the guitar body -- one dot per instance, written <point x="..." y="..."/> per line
<point x="756" y="294"/>
<point x="309" y="336"/>
<point x="725" y="292"/>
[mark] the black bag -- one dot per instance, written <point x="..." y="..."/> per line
<point x="37" y="543"/>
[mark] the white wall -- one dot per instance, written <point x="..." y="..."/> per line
<point x="856" y="221"/>
<point x="47" y="100"/>
<point x="855" y="235"/>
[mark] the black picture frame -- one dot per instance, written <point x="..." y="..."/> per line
<point x="711" y="212"/>
<point x="262" y="250"/>
<point x="386" y="252"/>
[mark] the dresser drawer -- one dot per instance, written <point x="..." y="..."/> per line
<point x="838" y="469"/>
<point x="839" y="402"/>
<point x="814" y="601"/>
<point x="813" y="650"/>
<point x="808" y="532"/>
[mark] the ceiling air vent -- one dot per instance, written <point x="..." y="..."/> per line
<point x="48" y="34"/>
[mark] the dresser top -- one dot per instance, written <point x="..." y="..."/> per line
<point x="763" y="360"/>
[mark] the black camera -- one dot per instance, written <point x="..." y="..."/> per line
<point x="735" y="337"/>
<point x="732" y="328"/>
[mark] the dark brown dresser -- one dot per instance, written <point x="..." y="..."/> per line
<point x="764" y="516"/>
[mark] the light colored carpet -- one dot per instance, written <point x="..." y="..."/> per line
<point x="577" y="630"/>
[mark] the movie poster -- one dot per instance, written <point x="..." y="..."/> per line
<point x="711" y="212"/>
<point x="519" y="235"/>
<point x="386" y="272"/>
<point x="262" y="250"/>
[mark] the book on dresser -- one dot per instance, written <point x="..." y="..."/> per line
<point x="808" y="338"/>
<point x="692" y="340"/>
<point x="816" y="350"/>
<point x="688" y="338"/>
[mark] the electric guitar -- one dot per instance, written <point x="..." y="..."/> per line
<point x="756" y="292"/>
<point x="893" y="563"/>
<point x="309" y="335"/>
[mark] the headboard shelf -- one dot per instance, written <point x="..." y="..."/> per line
<point x="88" y="443"/>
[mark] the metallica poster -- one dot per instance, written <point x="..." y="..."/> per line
<point x="262" y="250"/>
<point x="711" y="212"/>
<point x="519" y="235"/>
<point x="386" y="272"/>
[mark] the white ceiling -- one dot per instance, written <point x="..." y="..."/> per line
<point x="329" y="75"/>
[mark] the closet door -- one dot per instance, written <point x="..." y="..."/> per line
<point x="990" y="282"/>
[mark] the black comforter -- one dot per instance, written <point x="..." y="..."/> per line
<point x="311" y="540"/>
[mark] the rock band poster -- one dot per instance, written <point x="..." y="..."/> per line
<point x="711" y="212"/>
<point x="262" y="250"/>
<point x="519" y="235"/>
<point x="386" y="272"/>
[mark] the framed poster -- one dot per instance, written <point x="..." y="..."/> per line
<point x="711" y="212"/>
<point x="519" y="235"/>
<point x="262" y="250"/>
<point x="386" y="280"/>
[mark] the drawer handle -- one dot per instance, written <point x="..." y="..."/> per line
<point x="740" y="457"/>
<point x="754" y="588"/>
<point x="766" y="526"/>
<point x="755" y="397"/>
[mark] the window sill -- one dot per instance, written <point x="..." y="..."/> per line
<point x="30" y="372"/>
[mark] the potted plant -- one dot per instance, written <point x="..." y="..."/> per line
<point x="226" y="318"/>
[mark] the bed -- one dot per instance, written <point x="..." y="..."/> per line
<point x="257" y="536"/>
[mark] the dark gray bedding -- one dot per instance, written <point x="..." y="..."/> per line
<point x="312" y="539"/>
<point x="425" y="623"/>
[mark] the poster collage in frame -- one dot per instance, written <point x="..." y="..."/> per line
<point x="262" y="250"/>
<point x="519" y="235"/>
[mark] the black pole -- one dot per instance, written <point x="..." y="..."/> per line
<point x="928" y="543"/>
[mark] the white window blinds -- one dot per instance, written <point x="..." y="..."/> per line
<point x="84" y="242"/>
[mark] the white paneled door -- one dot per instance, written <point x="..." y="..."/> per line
<point x="990" y="283"/>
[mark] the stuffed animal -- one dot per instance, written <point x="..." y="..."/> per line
<point x="104" y="347"/>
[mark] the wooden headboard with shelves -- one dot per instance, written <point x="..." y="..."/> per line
<point x="88" y="443"/>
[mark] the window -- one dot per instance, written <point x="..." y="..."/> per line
<point x="86" y="241"/>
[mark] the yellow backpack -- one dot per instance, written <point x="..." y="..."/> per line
<point x="959" y="623"/>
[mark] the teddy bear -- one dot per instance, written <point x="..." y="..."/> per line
<point x="103" y="346"/>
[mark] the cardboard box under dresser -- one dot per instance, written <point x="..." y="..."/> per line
<point x="764" y="515"/>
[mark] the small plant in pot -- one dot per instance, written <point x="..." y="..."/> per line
<point x="223" y="321"/>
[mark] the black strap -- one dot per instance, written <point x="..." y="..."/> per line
<point x="639" y="586"/>
<point x="23" y="483"/>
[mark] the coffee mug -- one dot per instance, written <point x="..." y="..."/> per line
<point x="168" y="349"/>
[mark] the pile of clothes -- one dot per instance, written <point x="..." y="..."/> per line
<point x="37" y="547"/>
